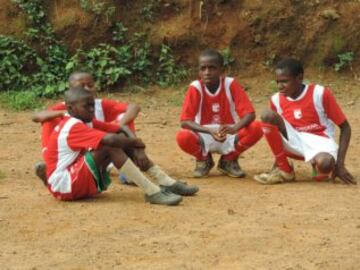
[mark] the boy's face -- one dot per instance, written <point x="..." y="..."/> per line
<point x="209" y="70"/>
<point x="86" y="82"/>
<point x="83" y="109"/>
<point x="288" y="85"/>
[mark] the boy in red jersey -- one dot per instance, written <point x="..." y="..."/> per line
<point x="300" y="125"/>
<point x="80" y="148"/>
<point x="217" y="117"/>
<point x="106" y="110"/>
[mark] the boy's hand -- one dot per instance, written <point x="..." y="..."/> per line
<point x="227" y="129"/>
<point x="138" y="143"/>
<point x="343" y="174"/>
<point x="218" y="136"/>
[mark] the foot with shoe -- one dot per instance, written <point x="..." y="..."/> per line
<point x="203" y="167"/>
<point x="276" y="176"/>
<point x="163" y="197"/>
<point x="230" y="168"/>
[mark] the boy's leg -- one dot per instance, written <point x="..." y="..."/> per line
<point x="40" y="171"/>
<point x="273" y="127"/>
<point x="245" y="138"/>
<point x="161" y="178"/>
<point x="117" y="156"/>
<point x="190" y="142"/>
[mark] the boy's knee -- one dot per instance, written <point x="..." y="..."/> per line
<point x="325" y="162"/>
<point x="184" y="136"/>
<point x="268" y="116"/>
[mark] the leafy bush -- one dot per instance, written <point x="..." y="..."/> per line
<point x="20" y="100"/>
<point x="345" y="60"/>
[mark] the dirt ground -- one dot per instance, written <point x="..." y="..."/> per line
<point x="230" y="224"/>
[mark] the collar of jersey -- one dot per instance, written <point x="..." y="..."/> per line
<point x="301" y="96"/>
<point x="217" y="90"/>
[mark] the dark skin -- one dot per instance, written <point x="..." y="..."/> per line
<point x="115" y="147"/>
<point x="210" y="71"/>
<point x="292" y="86"/>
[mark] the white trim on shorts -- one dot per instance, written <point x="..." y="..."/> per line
<point x="212" y="146"/>
<point x="306" y="144"/>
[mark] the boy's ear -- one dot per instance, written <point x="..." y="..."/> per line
<point x="68" y="107"/>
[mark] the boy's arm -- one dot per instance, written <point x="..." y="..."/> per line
<point x="188" y="124"/>
<point x="340" y="170"/>
<point x="120" y="140"/>
<point x="131" y="113"/>
<point x="243" y="122"/>
<point x="46" y="115"/>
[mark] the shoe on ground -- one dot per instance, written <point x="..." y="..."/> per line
<point x="203" y="167"/>
<point x="40" y="171"/>
<point x="275" y="176"/>
<point x="164" y="198"/>
<point x="181" y="188"/>
<point x="230" y="168"/>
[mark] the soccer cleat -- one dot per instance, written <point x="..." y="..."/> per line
<point x="181" y="188"/>
<point x="203" y="167"/>
<point x="230" y="168"/>
<point x="164" y="198"/>
<point x="275" y="176"/>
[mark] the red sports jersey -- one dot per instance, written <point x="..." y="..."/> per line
<point x="67" y="143"/>
<point x="225" y="106"/>
<point x="106" y="110"/>
<point x="314" y="111"/>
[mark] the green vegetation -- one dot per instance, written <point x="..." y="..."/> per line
<point x="345" y="60"/>
<point x="40" y="65"/>
<point x="228" y="58"/>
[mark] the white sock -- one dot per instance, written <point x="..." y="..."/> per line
<point x="160" y="176"/>
<point x="139" y="178"/>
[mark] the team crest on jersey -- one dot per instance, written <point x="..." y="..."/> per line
<point x="297" y="114"/>
<point x="215" y="107"/>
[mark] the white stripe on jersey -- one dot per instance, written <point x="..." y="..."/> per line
<point x="319" y="107"/>
<point x="60" y="179"/>
<point x="197" y="86"/>
<point x="99" y="112"/>
<point x="276" y="101"/>
<point x="228" y="82"/>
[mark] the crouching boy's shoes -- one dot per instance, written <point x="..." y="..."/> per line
<point x="203" y="167"/>
<point x="275" y="176"/>
<point x="230" y="168"/>
<point x="163" y="197"/>
<point x="181" y="188"/>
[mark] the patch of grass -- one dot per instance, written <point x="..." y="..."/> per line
<point x="20" y="100"/>
<point x="2" y="175"/>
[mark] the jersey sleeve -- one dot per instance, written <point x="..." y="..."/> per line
<point x="82" y="137"/>
<point x="332" y="108"/>
<point x="243" y="105"/>
<point x="58" y="107"/>
<point x="112" y="109"/>
<point x="191" y="104"/>
<point x="106" y="127"/>
<point x="46" y="130"/>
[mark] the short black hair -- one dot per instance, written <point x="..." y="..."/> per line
<point x="75" y="94"/>
<point x="77" y="75"/>
<point x="213" y="53"/>
<point x="293" y="66"/>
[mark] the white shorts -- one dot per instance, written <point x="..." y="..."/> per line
<point x="308" y="145"/>
<point x="212" y="146"/>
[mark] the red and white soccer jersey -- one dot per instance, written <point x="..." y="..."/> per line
<point x="106" y="110"/>
<point x="314" y="111"/>
<point x="68" y="175"/>
<point x="225" y="106"/>
<point x="309" y="121"/>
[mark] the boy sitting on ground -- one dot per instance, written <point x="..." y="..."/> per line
<point x="300" y="125"/>
<point x="80" y="148"/>
<point x="217" y="117"/>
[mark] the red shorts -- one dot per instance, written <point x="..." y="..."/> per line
<point x="81" y="180"/>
